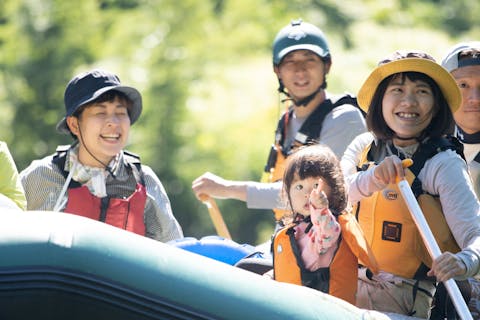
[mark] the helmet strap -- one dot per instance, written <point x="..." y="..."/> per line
<point x="302" y="102"/>
<point x="305" y="101"/>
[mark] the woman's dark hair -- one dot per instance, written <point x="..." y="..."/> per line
<point x="317" y="161"/>
<point x="108" y="96"/>
<point x="442" y="121"/>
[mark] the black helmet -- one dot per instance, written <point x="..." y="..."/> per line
<point x="299" y="35"/>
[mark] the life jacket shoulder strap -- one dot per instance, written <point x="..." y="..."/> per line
<point x="432" y="147"/>
<point x="280" y="131"/>
<point x="132" y="159"/>
<point x="60" y="157"/>
<point x="477" y="158"/>
<point x="311" y="128"/>
<point x="425" y="151"/>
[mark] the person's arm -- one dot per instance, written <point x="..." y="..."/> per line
<point x="160" y="223"/>
<point x="325" y="228"/>
<point x="217" y="187"/>
<point x="474" y="169"/>
<point x="257" y="195"/>
<point x="446" y="175"/>
<point x="340" y="127"/>
<point x="360" y="184"/>
<point x="42" y="182"/>
<point x="265" y="196"/>
<point x="10" y="185"/>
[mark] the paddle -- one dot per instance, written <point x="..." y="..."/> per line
<point x="216" y="216"/>
<point x="430" y="242"/>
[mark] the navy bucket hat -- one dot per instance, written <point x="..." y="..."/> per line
<point x="88" y="86"/>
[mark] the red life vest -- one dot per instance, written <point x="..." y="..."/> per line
<point x="124" y="213"/>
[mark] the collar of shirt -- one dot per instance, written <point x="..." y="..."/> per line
<point x="93" y="177"/>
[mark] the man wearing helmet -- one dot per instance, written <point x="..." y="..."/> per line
<point x="301" y="61"/>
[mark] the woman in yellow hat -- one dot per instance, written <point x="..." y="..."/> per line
<point x="409" y="100"/>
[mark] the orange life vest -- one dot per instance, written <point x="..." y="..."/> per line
<point x="390" y="229"/>
<point x="340" y="278"/>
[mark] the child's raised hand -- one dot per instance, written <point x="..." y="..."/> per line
<point x="318" y="198"/>
<point x="325" y="230"/>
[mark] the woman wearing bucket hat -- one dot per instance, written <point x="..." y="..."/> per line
<point x="94" y="176"/>
<point x="409" y="100"/>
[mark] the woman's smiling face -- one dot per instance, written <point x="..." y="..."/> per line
<point x="408" y="108"/>
<point x="102" y="130"/>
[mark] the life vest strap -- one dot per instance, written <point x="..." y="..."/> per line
<point x="132" y="160"/>
<point x="310" y="129"/>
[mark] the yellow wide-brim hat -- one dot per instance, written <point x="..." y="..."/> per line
<point x="410" y="61"/>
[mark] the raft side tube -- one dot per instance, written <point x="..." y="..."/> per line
<point x="61" y="266"/>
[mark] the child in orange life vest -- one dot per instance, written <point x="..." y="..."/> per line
<point x="317" y="231"/>
<point x="314" y="187"/>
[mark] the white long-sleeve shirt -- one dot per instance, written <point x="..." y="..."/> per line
<point x="471" y="151"/>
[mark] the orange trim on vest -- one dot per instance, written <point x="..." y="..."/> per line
<point x="276" y="173"/>
<point x="285" y="267"/>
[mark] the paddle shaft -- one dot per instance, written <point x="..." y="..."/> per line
<point x="432" y="247"/>
<point x="216" y="216"/>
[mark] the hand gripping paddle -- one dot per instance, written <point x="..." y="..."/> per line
<point x="430" y="242"/>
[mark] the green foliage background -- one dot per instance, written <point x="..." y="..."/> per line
<point x="204" y="69"/>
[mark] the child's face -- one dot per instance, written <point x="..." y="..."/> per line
<point x="407" y="107"/>
<point x="102" y="129"/>
<point x="301" y="190"/>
